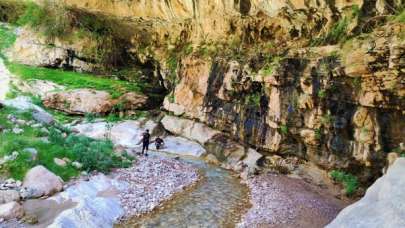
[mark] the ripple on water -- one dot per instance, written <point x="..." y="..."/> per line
<point x="218" y="200"/>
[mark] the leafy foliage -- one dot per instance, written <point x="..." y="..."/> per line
<point x="284" y="129"/>
<point x="7" y="38"/>
<point x="340" y="30"/>
<point x="349" y="181"/>
<point x="93" y="154"/>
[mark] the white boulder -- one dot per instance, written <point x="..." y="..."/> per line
<point x="189" y="129"/>
<point x="7" y="196"/>
<point x="11" y="210"/>
<point x="382" y="206"/>
<point x="42" y="182"/>
<point x="182" y="146"/>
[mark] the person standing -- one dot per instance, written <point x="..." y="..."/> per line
<point x="145" y="142"/>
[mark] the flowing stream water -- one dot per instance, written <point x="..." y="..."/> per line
<point x="218" y="200"/>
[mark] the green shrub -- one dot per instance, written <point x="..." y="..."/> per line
<point x="340" y="30"/>
<point x="94" y="154"/>
<point x="318" y="134"/>
<point x="349" y="181"/>
<point x="322" y="93"/>
<point x="284" y="129"/>
<point x="253" y="99"/>
<point x="11" y="10"/>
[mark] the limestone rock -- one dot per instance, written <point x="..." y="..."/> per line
<point x="31" y="48"/>
<point x="11" y="210"/>
<point x="132" y="101"/>
<point x="80" y="101"/>
<point x="252" y="158"/>
<point x="7" y="196"/>
<point x="43" y="117"/>
<point x="42" y="181"/>
<point x="188" y="128"/>
<point x="382" y="206"/>
<point x="182" y="146"/>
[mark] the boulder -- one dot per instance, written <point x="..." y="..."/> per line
<point x="182" y="146"/>
<point x="7" y="196"/>
<point x="132" y="101"/>
<point x="80" y="101"/>
<point x="11" y="210"/>
<point x="189" y="129"/>
<point x="382" y="206"/>
<point x="126" y="133"/>
<point x="252" y="158"/>
<point x="43" y="117"/>
<point x="42" y="181"/>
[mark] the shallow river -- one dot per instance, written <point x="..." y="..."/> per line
<point x="218" y="200"/>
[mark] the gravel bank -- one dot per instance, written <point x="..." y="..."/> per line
<point x="280" y="201"/>
<point x="153" y="180"/>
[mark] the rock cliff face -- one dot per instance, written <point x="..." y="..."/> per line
<point x="268" y="72"/>
<point x="340" y="107"/>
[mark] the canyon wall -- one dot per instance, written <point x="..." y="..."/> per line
<point x="279" y="76"/>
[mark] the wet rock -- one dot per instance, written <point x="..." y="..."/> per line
<point x="11" y="210"/>
<point x="382" y="206"/>
<point x="42" y="181"/>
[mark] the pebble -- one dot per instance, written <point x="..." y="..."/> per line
<point x="153" y="180"/>
<point x="280" y="201"/>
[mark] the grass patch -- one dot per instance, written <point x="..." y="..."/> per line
<point x="399" y="17"/>
<point x="93" y="154"/>
<point x="340" y="30"/>
<point x="349" y="181"/>
<point x="7" y="38"/>
<point x="74" y="80"/>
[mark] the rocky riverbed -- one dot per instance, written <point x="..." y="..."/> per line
<point x="152" y="180"/>
<point x="100" y="200"/>
<point x="281" y="201"/>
